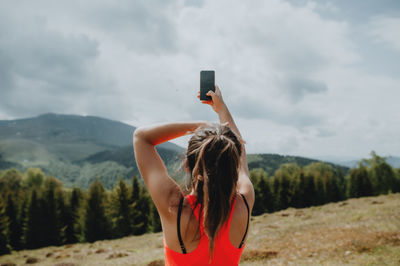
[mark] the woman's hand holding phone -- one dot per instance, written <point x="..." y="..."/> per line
<point x="219" y="106"/>
<point x="216" y="102"/>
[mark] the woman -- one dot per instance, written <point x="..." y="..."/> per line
<point x="209" y="223"/>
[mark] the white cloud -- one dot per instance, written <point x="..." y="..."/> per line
<point x="288" y="73"/>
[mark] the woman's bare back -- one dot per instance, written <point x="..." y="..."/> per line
<point x="190" y="230"/>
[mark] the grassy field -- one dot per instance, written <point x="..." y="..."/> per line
<point x="362" y="231"/>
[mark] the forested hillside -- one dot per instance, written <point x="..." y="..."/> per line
<point x="75" y="149"/>
<point x="78" y="149"/>
<point x="37" y="210"/>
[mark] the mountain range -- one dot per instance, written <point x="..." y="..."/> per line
<point x="77" y="149"/>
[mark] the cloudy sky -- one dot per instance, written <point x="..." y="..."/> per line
<point x="309" y="78"/>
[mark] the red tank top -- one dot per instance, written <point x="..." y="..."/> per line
<point x="225" y="253"/>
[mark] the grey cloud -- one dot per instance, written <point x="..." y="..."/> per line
<point x="6" y="65"/>
<point x="325" y="133"/>
<point x="194" y="3"/>
<point x="301" y="60"/>
<point x="298" y="88"/>
<point x="43" y="70"/>
<point x="143" y="26"/>
<point x="256" y="109"/>
<point x="351" y="10"/>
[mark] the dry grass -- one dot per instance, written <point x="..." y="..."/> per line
<point x="354" y="232"/>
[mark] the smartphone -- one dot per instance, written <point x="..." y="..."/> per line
<point x="207" y="83"/>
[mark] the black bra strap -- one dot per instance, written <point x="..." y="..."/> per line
<point x="248" y="218"/>
<point x="179" y="227"/>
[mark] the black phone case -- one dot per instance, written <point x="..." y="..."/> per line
<point x="207" y="83"/>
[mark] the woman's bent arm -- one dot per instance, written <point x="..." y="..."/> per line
<point x="162" y="188"/>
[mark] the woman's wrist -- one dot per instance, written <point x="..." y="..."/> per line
<point x="159" y="133"/>
<point x="222" y="109"/>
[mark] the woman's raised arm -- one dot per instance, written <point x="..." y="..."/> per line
<point x="162" y="188"/>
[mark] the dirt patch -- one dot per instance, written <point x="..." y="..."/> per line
<point x="48" y="255"/>
<point x="117" y="255"/>
<point x="101" y="250"/>
<point x="156" y="263"/>
<point x="8" y="264"/>
<point x="256" y="254"/>
<point x="31" y="260"/>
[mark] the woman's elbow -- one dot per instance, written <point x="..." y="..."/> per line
<point x="141" y="135"/>
<point x="137" y="135"/>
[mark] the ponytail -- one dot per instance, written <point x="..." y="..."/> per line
<point x="213" y="157"/>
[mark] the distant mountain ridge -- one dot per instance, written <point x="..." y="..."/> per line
<point x="271" y="162"/>
<point x="393" y="161"/>
<point x="73" y="148"/>
<point x="77" y="149"/>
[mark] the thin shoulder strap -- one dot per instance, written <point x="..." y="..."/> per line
<point x="179" y="226"/>
<point x="248" y="218"/>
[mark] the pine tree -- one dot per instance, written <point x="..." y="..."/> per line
<point x="275" y="185"/>
<point x="135" y="189"/>
<point x="14" y="226"/>
<point x="122" y="210"/>
<point x="309" y="190"/>
<point x="97" y="224"/>
<point x="381" y="173"/>
<point x="34" y="230"/>
<point x="135" y="207"/>
<point x="52" y="232"/>
<point x="298" y="191"/>
<point x="4" y="241"/>
<point x="10" y="181"/>
<point x="319" y="190"/>
<point x="34" y="178"/>
<point x="155" y="218"/>
<point x="22" y="220"/>
<point x="256" y="176"/>
<point x="361" y="185"/>
<point x="268" y="196"/>
<point x="63" y="215"/>
<point x="143" y="221"/>
<point x="283" y="193"/>
<point x="397" y="181"/>
<point x="72" y="227"/>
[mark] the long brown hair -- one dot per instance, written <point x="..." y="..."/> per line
<point x="213" y="157"/>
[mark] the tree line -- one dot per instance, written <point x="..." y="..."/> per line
<point x="319" y="183"/>
<point x="37" y="211"/>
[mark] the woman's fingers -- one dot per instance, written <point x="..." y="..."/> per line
<point x="225" y="124"/>
<point x="211" y="94"/>
<point x="207" y="102"/>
